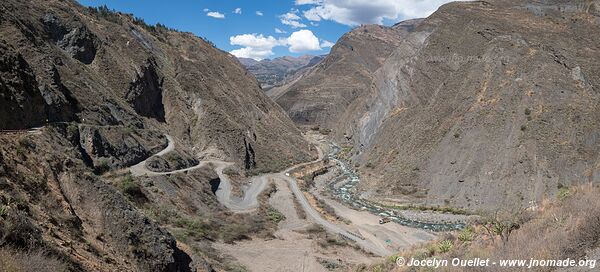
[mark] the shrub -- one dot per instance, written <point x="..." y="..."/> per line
<point x="196" y="228"/>
<point x="563" y="193"/>
<point x="315" y="228"/>
<point x="17" y="230"/>
<point x="444" y="246"/>
<point x="130" y="187"/>
<point x="26" y="143"/>
<point x="234" y="232"/>
<point x="466" y="235"/>
<point x="102" y="167"/>
<point x="106" y="13"/>
<point x="231" y="172"/>
<point x="527" y="111"/>
<point x="72" y="130"/>
<point x="274" y="215"/>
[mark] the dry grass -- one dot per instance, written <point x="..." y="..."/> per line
<point x="18" y="261"/>
<point x="567" y="226"/>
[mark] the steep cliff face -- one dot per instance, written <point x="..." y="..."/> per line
<point x="21" y="104"/>
<point x="482" y="104"/>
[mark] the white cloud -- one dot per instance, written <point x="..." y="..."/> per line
<point x="255" y="46"/>
<point x="258" y="47"/>
<point x="292" y="20"/>
<point x="237" y="11"/>
<point x="279" y="31"/>
<point x="215" y="14"/>
<point x="326" y="43"/>
<point x="302" y="41"/>
<point x="206" y="10"/>
<point x="308" y="2"/>
<point x="259" y="13"/>
<point x="355" y="12"/>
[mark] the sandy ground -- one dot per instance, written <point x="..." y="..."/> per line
<point x="392" y="236"/>
<point x="291" y="250"/>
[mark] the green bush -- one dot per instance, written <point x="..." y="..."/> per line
<point x="72" y="130"/>
<point x="444" y="246"/>
<point x="196" y="228"/>
<point x="274" y="215"/>
<point x="131" y="187"/>
<point x="102" y="167"/>
<point x="563" y="193"/>
<point x="466" y="235"/>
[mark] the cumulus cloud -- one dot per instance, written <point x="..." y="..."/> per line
<point x="292" y="20"/>
<point x="255" y="46"/>
<point x="326" y="43"/>
<point x="259" y="13"/>
<point x="258" y="46"/>
<point x="356" y="12"/>
<point x="206" y="10"/>
<point x="302" y="41"/>
<point x="215" y="14"/>
<point x="237" y="11"/>
<point x="279" y="31"/>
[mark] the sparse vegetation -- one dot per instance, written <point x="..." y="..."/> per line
<point x="32" y="260"/>
<point x="106" y="13"/>
<point x="230" y="171"/>
<point x="72" y="130"/>
<point x="563" y="192"/>
<point x="466" y="235"/>
<point x="440" y="209"/>
<point x="444" y="246"/>
<point x="522" y="234"/>
<point x="130" y="187"/>
<point x="274" y="215"/>
<point x="325" y="131"/>
<point x="270" y="166"/>
<point x="102" y="167"/>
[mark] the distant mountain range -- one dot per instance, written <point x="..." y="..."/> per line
<point x="275" y="72"/>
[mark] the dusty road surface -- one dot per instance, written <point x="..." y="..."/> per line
<point x="291" y="250"/>
<point x="381" y="240"/>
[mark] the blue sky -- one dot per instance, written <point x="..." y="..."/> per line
<point x="271" y="28"/>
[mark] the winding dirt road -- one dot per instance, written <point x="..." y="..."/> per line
<point x="249" y="201"/>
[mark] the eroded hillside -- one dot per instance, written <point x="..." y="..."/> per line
<point x="483" y="104"/>
<point x="91" y="92"/>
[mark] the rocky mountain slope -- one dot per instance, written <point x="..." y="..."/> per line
<point x="483" y="104"/>
<point x="275" y="72"/>
<point x="105" y="87"/>
<point x="322" y="94"/>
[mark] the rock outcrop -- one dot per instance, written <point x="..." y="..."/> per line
<point x="145" y="93"/>
<point x="21" y="103"/>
